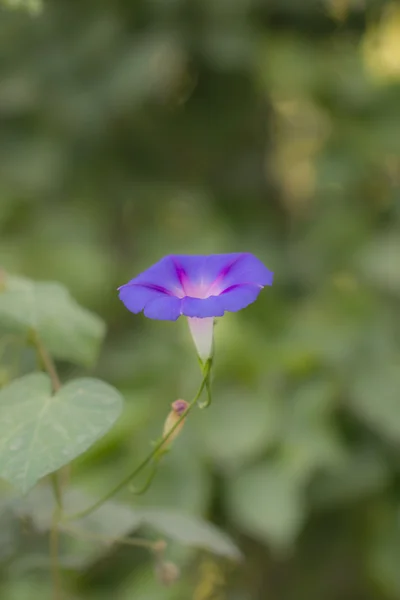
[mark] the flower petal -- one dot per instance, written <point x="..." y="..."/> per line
<point x="200" y="270"/>
<point x="246" y="268"/>
<point x="163" y="275"/>
<point x="219" y="271"/>
<point x="135" y="297"/>
<point x="239" y="296"/>
<point x="191" y="272"/>
<point x="164" y="308"/>
<point x="202" y="307"/>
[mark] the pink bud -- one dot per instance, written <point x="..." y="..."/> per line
<point x="178" y="409"/>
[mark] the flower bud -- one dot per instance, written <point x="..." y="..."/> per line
<point x="178" y="408"/>
<point x="167" y="572"/>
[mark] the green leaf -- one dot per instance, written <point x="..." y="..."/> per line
<point x="182" y="481"/>
<point x="379" y="262"/>
<point x="310" y="440"/>
<point x="253" y="426"/>
<point x="9" y="531"/>
<point x="382" y="551"/>
<point x="67" y="330"/>
<point x="39" y="433"/>
<point x="32" y="6"/>
<point x="114" y="519"/>
<point x="375" y="394"/>
<point x="84" y="541"/>
<point x="190" y="531"/>
<point x="267" y="503"/>
<point x="365" y="472"/>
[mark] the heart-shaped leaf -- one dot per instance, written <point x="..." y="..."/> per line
<point x="67" y="330"/>
<point x="39" y="432"/>
<point x="114" y="519"/>
<point x="374" y="397"/>
<point x="267" y="502"/>
<point x="190" y="531"/>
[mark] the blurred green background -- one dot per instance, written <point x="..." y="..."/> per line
<point x="131" y="130"/>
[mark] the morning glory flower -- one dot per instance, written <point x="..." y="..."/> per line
<point x="198" y="287"/>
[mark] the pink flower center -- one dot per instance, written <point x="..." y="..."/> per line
<point x="198" y="290"/>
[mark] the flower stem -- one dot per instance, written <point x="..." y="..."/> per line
<point x="144" y="463"/>
<point x="57" y="489"/>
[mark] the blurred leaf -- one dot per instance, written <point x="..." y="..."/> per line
<point x="138" y="76"/>
<point x="142" y="585"/>
<point x="309" y="440"/>
<point x="362" y="474"/>
<point x="182" y="481"/>
<point x="110" y="521"/>
<point x="310" y="403"/>
<point x="32" y="6"/>
<point x="68" y="331"/>
<point x="383" y="551"/>
<point x="267" y="503"/>
<point x="190" y="531"/>
<point x="379" y="262"/>
<point x="312" y="449"/>
<point x="114" y="519"/>
<point x="240" y="426"/>
<point x="39" y="432"/>
<point x="374" y="397"/>
<point x="8" y="532"/>
<point x="25" y="589"/>
<point x="326" y="328"/>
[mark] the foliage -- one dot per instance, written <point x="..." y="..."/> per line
<point x="133" y="130"/>
<point x="42" y="432"/>
<point x="32" y="6"/>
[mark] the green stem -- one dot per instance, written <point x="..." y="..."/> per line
<point x="57" y="489"/>
<point x="46" y="360"/>
<point x="143" y="464"/>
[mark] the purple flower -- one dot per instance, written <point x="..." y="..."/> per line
<point x="199" y="287"/>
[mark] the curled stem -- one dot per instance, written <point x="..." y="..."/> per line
<point x="206" y="370"/>
<point x="147" y="483"/>
<point x="154" y="453"/>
